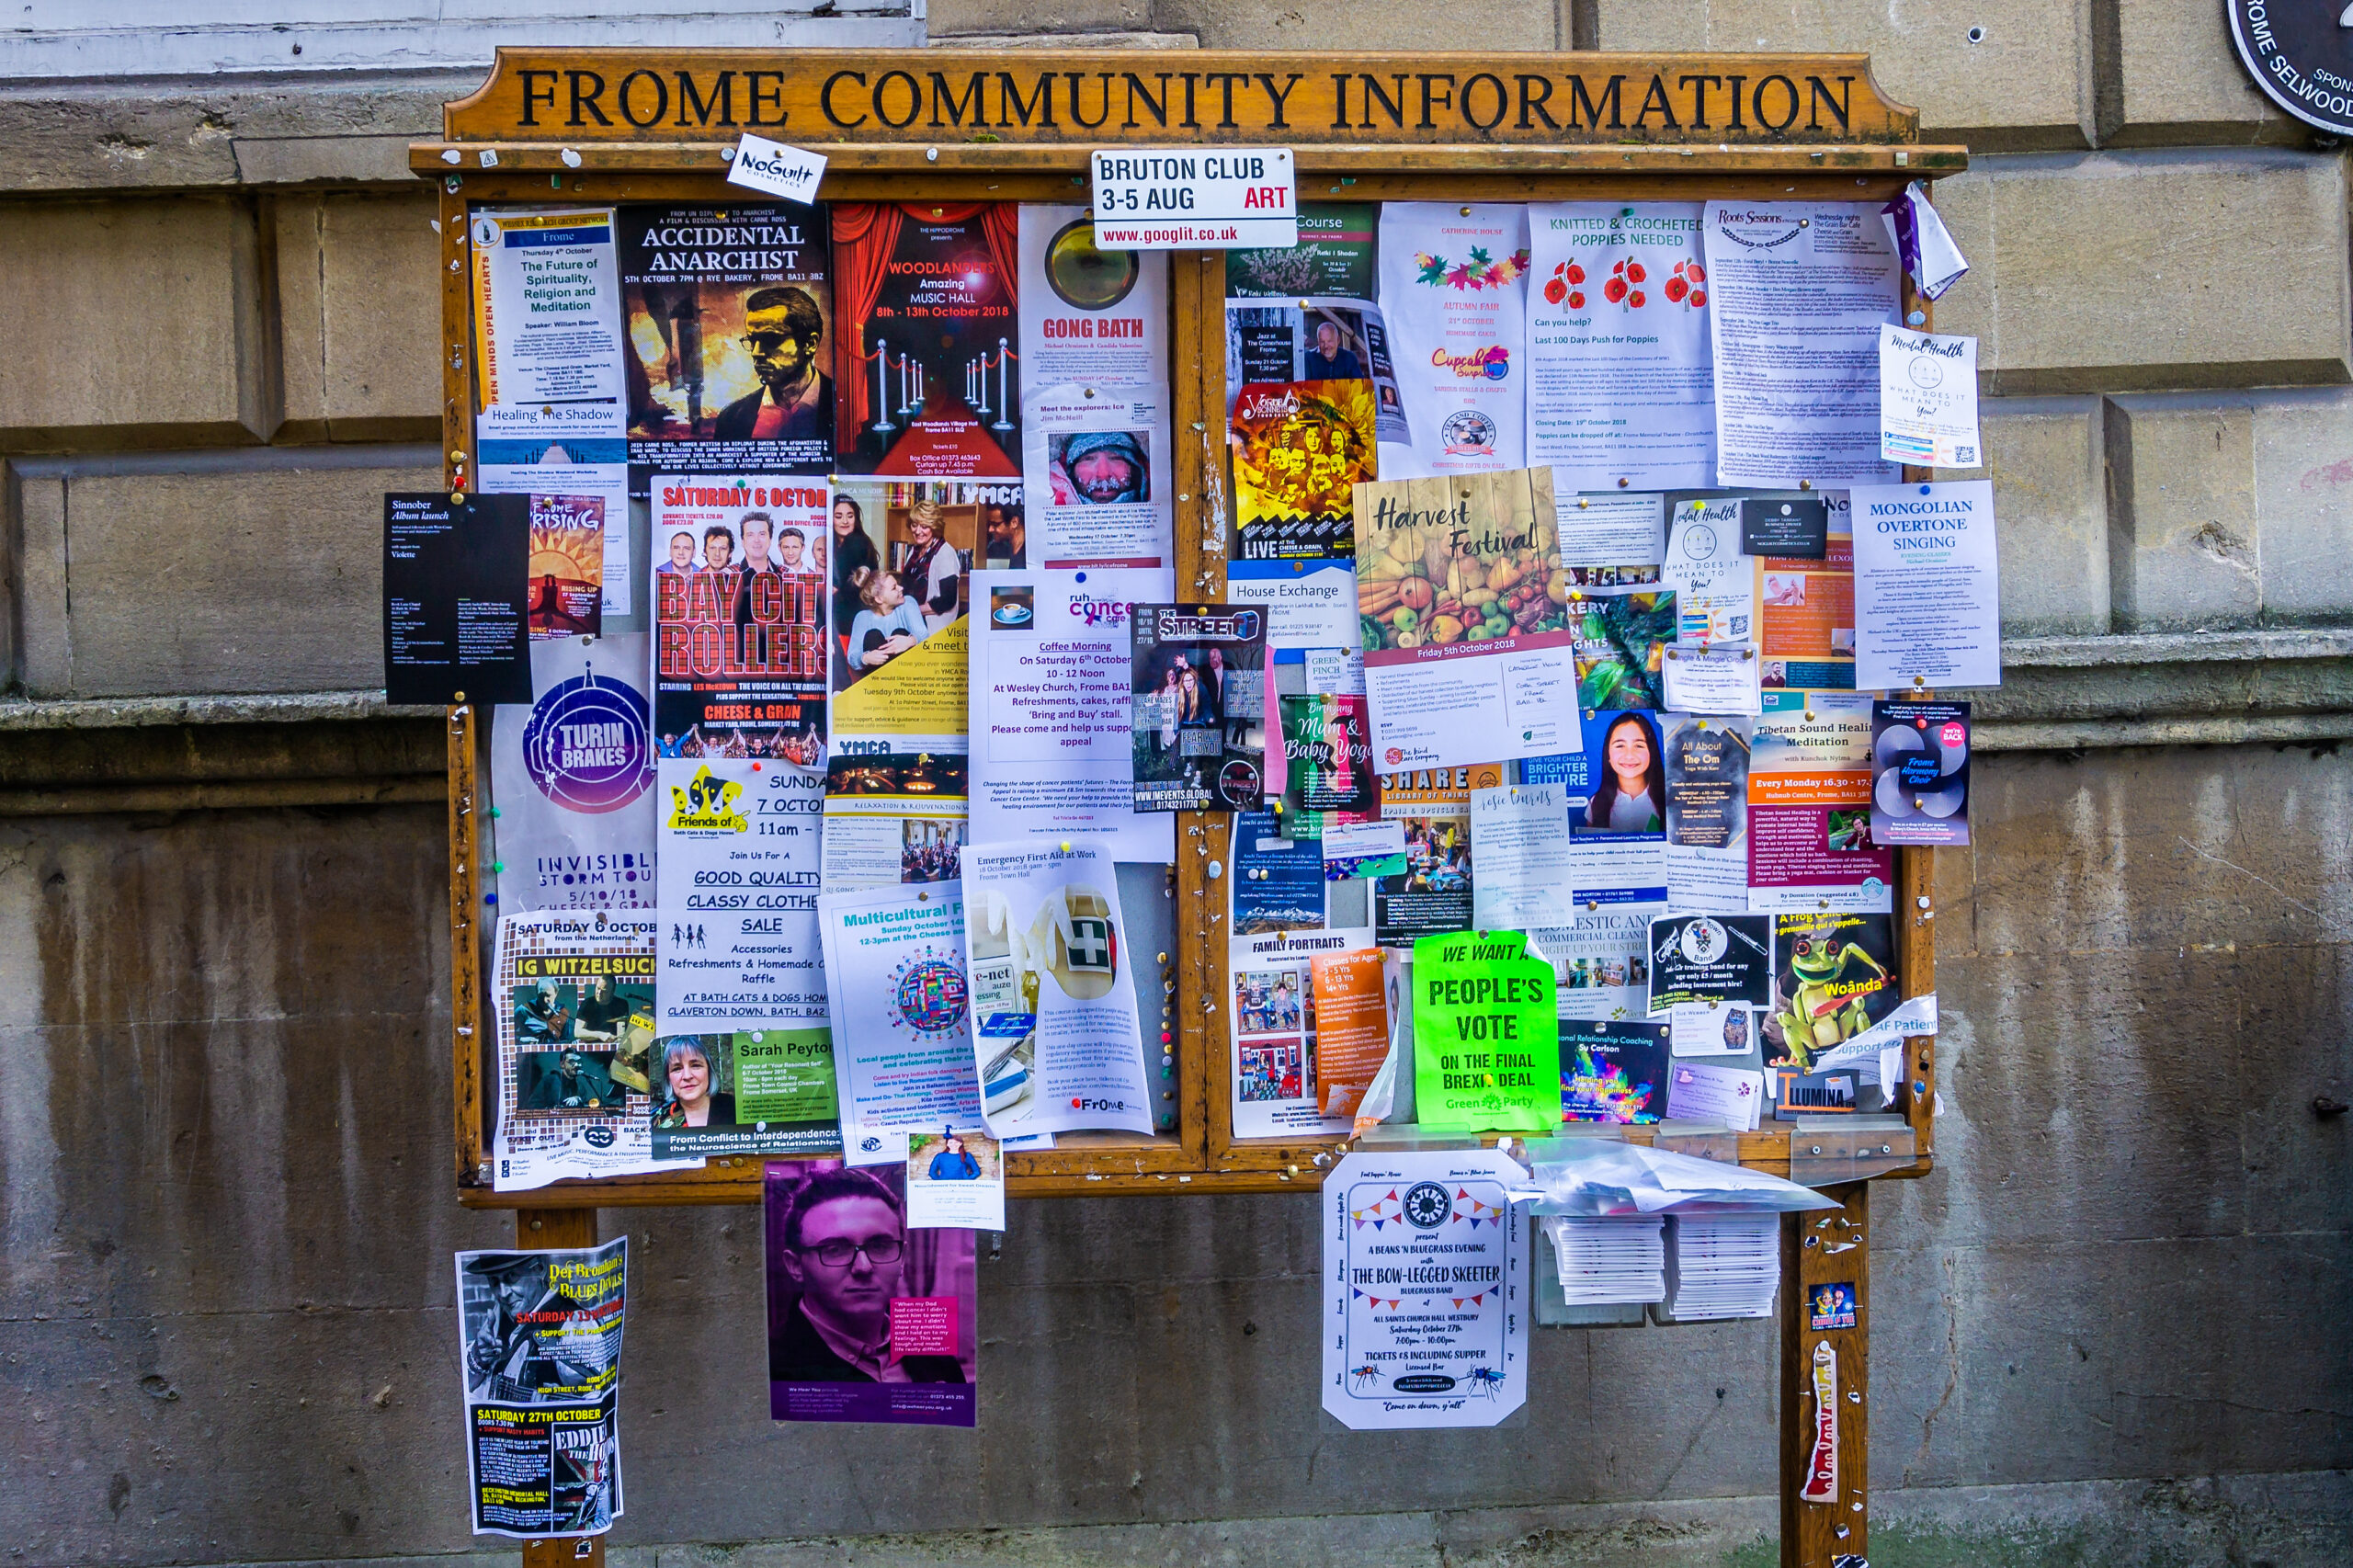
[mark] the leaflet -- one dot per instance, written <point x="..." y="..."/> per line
<point x="1486" y="1045"/>
<point x="539" y="1336"/>
<point x="1707" y="812"/>
<point x="1927" y="586"/>
<point x="1300" y="450"/>
<point x="1351" y="1022"/>
<point x="1613" y="1070"/>
<point x="591" y="476"/>
<point x="1454" y="294"/>
<point x="746" y="1092"/>
<point x="1798" y="292"/>
<point x="955" y="1181"/>
<point x="1810" y="845"/>
<point x="1089" y="314"/>
<point x="1607" y="530"/>
<point x="1055" y="1025"/>
<point x="1732" y="1098"/>
<point x="1620" y="375"/>
<point x="1278" y="1030"/>
<point x="1332" y="260"/>
<point x="1806" y="617"/>
<point x="1927" y="399"/>
<point x="1519" y="835"/>
<point x="567" y="773"/>
<point x="896" y="975"/>
<point x="1714" y="584"/>
<point x="1713" y="681"/>
<point x="1052" y="747"/>
<point x="1199" y="673"/>
<point x="1323" y="340"/>
<point x="1711" y="1029"/>
<point x="1278" y="883"/>
<point x="1098" y="476"/>
<point x="547" y="320"/>
<point x="1602" y="965"/>
<point x="1920" y="763"/>
<point x="736" y="878"/>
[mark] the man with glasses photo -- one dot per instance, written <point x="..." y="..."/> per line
<point x="783" y="330"/>
<point x="843" y="1248"/>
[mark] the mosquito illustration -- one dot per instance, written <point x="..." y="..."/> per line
<point x="1363" y="1377"/>
<point x="1485" y="1382"/>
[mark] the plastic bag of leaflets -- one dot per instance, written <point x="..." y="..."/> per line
<point x="1595" y="1177"/>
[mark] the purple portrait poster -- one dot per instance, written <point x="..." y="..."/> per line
<point x="868" y="1319"/>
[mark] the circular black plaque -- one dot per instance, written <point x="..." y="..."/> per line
<point x="2301" y="54"/>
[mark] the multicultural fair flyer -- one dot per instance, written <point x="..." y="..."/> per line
<point x="547" y="322"/>
<point x="1798" y="292"/>
<point x="539" y="1350"/>
<point x="1920" y="773"/>
<point x="1454" y="294"/>
<point x="728" y="314"/>
<point x="1486" y="1044"/>
<point x="1425" y="1303"/>
<point x="1621" y="374"/>
<point x="894" y="969"/>
<point x="1055" y="1031"/>
<point x="1089" y="315"/>
<point x="736" y="883"/>
<point x="1051" y="705"/>
<point x="1456" y="582"/>
<point x="1927" y="586"/>
<point x="870" y="1318"/>
<point x="1277" y="1030"/>
<point x="575" y="993"/>
<point x="1098" y="474"/>
<point x="1199" y="692"/>
<point x="1810" y="843"/>
<point x="566" y="771"/>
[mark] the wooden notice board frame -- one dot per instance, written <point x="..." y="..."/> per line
<point x="617" y="125"/>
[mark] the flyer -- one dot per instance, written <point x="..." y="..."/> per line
<point x="894" y="972"/>
<point x="1619" y="632"/>
<point x="589" y="477"/>
<point x="1810" y="843"/>
<point x="736" y="880"/>
<point x="1328" y="757"/>
<point x="1796" y="527"/>
<point x="1602" y="965"/>
<point x="1053" y="710"/>
<point x="1278" y="881"/>
<point x="1732" y="1097"/>
<point x="1438" y="889"/>
<point x="539" y="1351"/>
<point x="1329" y="339"/>
<point x="1486" y="1045"/>
<point x="546" y="307"/>
<point x="1798" y="292"/>
<point x="955" y="1180"/>
<point x="455" y="601"/>
<point x="1279" y="1016"/>
<point x="1456" y="581"/>
<point x="565" y="570"/>
<point x="1710" y="957"/>
<point x="927" y="357"/>
<point x="1621" y="531"/>
<point x="1834" y="976"/>
<point x="751" y="1091"/>
<point x="1621" y="371"/>
<point x="1426" y="1302"/>
<point x="1300" y="450"/>
<point x="1454" y="295"/>
<point x="1198" y="676"/>
<point x="1092" y="315"/>
<point x="1332" y="260"/>
<point x="1519" y="835"/>
<point x="1714" y="584"/>
<point x="729" y="316"/>
<point x="1707" y="812"/>
<point x="1613" y="1070"/>
<point x="1927" y="399"/>
<point x="1920" y="773"/>
<point x="1718" y="680"/>
<point x="571" y="989"/>
<point x="1053" y="1002"/>
<point x="869" y="1318"/>
<point x="1711" y="1029"/>
<point x="1349" y="994"/>
<point x="567" y="771"/>
<point x="1098" y="476"/>
<point x="1805" y="615"/>
<point x="1927" y="589"/>
<point x="1615" y="790"/>
<point x="739" y="617"/>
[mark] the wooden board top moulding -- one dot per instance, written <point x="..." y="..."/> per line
<point x="1087" y="98"/>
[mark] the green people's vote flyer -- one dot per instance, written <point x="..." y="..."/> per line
<point x="1486" y="1047"/>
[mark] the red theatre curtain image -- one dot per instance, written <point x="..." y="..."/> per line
<point x="865" y="233"/>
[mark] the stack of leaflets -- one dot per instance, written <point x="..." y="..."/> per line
<point x="1722" y="1265"/>
<point x="1607" y="1260"/>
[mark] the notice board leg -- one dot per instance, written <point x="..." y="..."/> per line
<point x="541" y="1229"/>
<point x="1825" y="1441"/>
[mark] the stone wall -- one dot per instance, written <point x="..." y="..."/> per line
<point x="224" y="1298"/>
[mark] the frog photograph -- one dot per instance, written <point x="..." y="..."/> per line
<point x="1834" y="976"/>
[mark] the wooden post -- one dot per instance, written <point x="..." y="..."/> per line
<point x="1819" y="1248"/>
<point x="545" y="1229"/>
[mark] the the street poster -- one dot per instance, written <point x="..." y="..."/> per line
<point x="546" y="303"/>
<point x="1486" y="1044"/>
<point x="1454" y="295"/>
<point x="1277" y="1022"/>
<point x="539" y="1349"/>
<point x="568" y="770"/>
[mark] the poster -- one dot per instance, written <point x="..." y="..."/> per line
<point x="1927" y="399"/>
<point x="539" y="1351"/>
<point x="1456" y="581"/>
<point x="1278" y="1087"/>
<point x="955" y="1180"/>
<point x="1927" y="589"/>
<point x="1834" y="976"/>
<point x="1055" y="1024"/>
<point x="1798" y="292"/>
<point x="1805" y="612"/>
<point x="1615" y="790"/>
<point x="1601" y="961"/>
<point x="547" y="304"/>
<point x="869" y="1318"/>
<point x="568" y="772"/>
<point x="1613" y="1070"/>
<point x="1198" y="676"/>
<point x="589" y="477"/>
<point x="1098" y="476"/>
<point x="575" y="993"/>
<point x="1621" y="371"/>
<point x="1810" y="843"/>
<point x="1616" y="530"/>
<point x="730" y="315"/>
<point x="739" y="617"/>
<point x="1621" y="630"/>
<point x="1300" y="450"/>
<point x="1350" y="993"/>
<point x="927" y="360"/>
<point x="894" y="969"/>
<point x="1426" y="1295"/>
<point x="1454" y="294"/>
<point x="566" y="569"/>
<point x="455" y="599"/>
<point x="1920" y="773"/>
<point x="1706" y="812"/>
<point x="749" y="1092"/>
<point x="1093" y="315"/>
<point x="1717" y="681"/>
<point x="1519" y="833"/>
<point x="1332" y="260"/>
<point x="736" y="879"/>
<point x="1714" y="584"/>
<point x="1052" y="747"/>
<point x="1278" y="881"/>
<point x="1277" y="341"/>
<point x="1439" y="887"/>
<point x="1328" y="758"/>
<point x="1486" y="1046"/>
<point x="1710" y="957"/>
